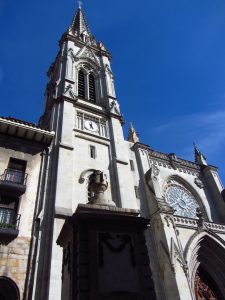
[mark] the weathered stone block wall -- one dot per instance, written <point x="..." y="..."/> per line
<point x="13" y="261"/>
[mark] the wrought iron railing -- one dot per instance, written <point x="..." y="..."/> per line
<point x="14" y="176"/>
<point x="9" y="219"/>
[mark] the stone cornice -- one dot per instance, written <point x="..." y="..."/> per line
<point x="170" y="160"/>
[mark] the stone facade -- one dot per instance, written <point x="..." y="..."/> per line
<point x="80" y="166"/>
<point x="19" y="197"/>
<point x="14" y="260"/>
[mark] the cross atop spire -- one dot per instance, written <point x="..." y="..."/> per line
<point x="80" y="3"/>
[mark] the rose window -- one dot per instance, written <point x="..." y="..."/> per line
<point x="181" y="200"/>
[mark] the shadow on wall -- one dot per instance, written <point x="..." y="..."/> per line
<point x="223" y="194"/>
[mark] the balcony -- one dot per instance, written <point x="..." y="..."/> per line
<point x="9" y="225"/>
<point x="13" y="182"/>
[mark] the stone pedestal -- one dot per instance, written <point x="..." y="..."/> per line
<point x="105" y="256"/>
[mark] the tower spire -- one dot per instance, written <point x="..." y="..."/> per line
<point x="199" y="157"/>
<point x="79" y="26"/>
<point x="133" y="135"/>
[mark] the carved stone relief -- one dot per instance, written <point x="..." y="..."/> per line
<point x="176" y="254"/>
<point x="114" y="107"/>
<point x="199" y="183"/>
<point x="87" y="53"/>
<point x="115" y="243"/>
<point x="155" y="172"/>
<point x="69" y="91"/>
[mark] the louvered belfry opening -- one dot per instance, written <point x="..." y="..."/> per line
<point x="92" y="94"/>
<point x="81" y="84"/>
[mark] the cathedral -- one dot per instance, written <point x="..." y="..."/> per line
<point x="86" y="214"/>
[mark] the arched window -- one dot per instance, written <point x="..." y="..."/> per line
<point x="81" y="84"/>
<point x="92" y="94"/>
<point x="8" y="289"/>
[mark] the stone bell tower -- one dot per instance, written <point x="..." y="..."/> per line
<point x="82" y="108"/>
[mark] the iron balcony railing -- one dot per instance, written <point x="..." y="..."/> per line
<point x="9" y="219"/>
<point x="14" y="176"/>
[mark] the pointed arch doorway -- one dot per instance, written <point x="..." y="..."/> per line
<point x="205" y="286"/>
<point x="207" y="266"/>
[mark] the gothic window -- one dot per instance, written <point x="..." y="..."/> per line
<point x="92" y="93"/>
<point x="181" y="200"/>
<point x="81" y="84"/>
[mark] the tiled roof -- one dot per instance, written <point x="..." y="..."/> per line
<point x="22" y="122"/>
<point x="25" y="130"/>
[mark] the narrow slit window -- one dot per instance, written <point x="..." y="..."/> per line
<point x="136" y="189"/>
<point x="92" y="151"/>
<point x="92" y="93"/>
<point x="81" y="84"/>
<point x="132" y="165"/>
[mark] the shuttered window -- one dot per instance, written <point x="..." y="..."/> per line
<point x="92" y="94"/>
<point x="81" y="84"/>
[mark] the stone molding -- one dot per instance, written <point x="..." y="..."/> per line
<point x="93" y="138"/>
<point x="66" y="146"/>
<point x="122" y="162"/>
<point x="193" y="224"/>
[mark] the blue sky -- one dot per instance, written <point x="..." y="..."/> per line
<point x="168" y="61"/>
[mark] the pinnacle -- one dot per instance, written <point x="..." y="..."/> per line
<point x="199" y="157"/>
<point x="133" y="135"/>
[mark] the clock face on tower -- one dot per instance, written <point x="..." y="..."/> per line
<point x="91" y="126"/>
<point x="181" y="200"/>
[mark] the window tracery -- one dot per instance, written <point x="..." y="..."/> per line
<point x="181" y="200"/>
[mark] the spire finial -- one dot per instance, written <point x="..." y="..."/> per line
<point x="131" y="126"/>
<point x="80" y="3"/>
<point x="199" y="157"/>
<point x="133" y="135"/>
<point x="79" y="27"/>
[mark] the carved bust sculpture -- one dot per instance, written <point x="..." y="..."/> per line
<point x="98" y="184"/>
